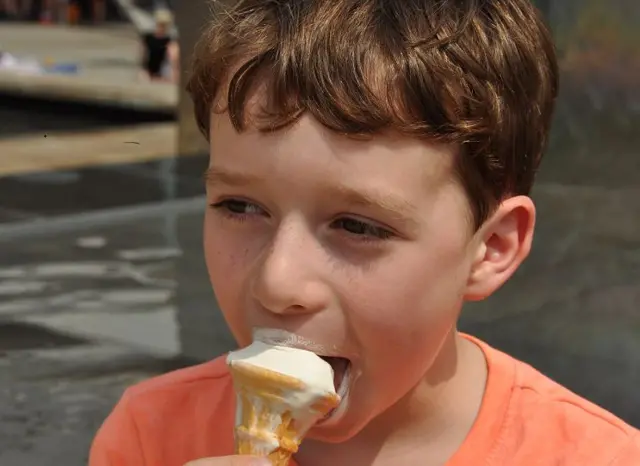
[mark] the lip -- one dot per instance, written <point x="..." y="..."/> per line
<point x="279" y="337"/>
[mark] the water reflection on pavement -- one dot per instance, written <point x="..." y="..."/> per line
<point x="86" y="309"/>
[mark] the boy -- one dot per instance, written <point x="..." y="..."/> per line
<point x="370" y="170"/>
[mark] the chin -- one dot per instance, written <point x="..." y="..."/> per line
<point x="334" y="434"/>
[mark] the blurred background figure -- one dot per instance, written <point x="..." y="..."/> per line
<point x="160" y="51"/>
<point x="9" y="10"/>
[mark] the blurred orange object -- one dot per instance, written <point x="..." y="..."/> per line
<point x="73" y="13"/>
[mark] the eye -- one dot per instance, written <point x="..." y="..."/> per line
<point x="361" y="230"/>
<point x="238" y="209"/>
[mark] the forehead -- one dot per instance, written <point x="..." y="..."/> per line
<point x="312" y="152"/>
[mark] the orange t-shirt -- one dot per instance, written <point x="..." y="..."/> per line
<point x="525" y="420"/>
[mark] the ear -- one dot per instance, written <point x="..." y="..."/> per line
<point x="503" y="243"/>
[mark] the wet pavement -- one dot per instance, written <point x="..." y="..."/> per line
<point x="87" y="252"/>
<point x="52" y="193"/>
<point x="87" y="277"/>
<point x="53" y="399"/>
<point x="40" y="135"/>
<point x="86" y="309"/>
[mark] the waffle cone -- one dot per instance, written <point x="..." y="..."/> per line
<point x="267" y="423"/>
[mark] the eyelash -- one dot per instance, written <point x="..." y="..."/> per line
<point x="370" y="232"/>
<point x="225" y="208"/>
<point x="367" y="232"/>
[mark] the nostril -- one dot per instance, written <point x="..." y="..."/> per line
<point x="287" y="310"/>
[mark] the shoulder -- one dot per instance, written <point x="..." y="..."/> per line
<point x="567" y="422"/>
<point x="630" y="454"/>
<point x="168" y="397"/>
<point x="207" y="373"/>
<point x="541" y="419"/>
<point x="152" y="413"/>
<point x="539" y="392"/>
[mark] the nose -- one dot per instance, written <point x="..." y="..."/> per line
<point x="287" y="278"/>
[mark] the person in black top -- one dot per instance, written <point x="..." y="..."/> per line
<point x="160" y="50"/>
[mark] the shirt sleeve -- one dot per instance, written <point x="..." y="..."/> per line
<point x="630" y="455"/>
<point x="117" y="443"/>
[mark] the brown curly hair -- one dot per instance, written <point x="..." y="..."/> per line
<point x="481" y="74"/>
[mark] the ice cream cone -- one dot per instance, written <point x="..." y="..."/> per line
<point x="275" y="411"/>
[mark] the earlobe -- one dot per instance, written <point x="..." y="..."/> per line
<point x="504" y="242"/>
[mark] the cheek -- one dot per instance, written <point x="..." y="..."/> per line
<point x="227" y="260"/>
<point x="407" y="305"/>
<point x="221" y="254"/>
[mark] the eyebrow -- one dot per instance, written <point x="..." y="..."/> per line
<point x="392" y="206"/>
<point x="213" y="176"/>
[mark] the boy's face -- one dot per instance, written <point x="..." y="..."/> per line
<point x="363" y="247"/>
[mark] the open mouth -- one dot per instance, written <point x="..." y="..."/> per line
<point x="341" y="372"/>
<point x="340" y="368"/>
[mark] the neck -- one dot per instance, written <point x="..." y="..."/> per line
<point x="430" y="422"/>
